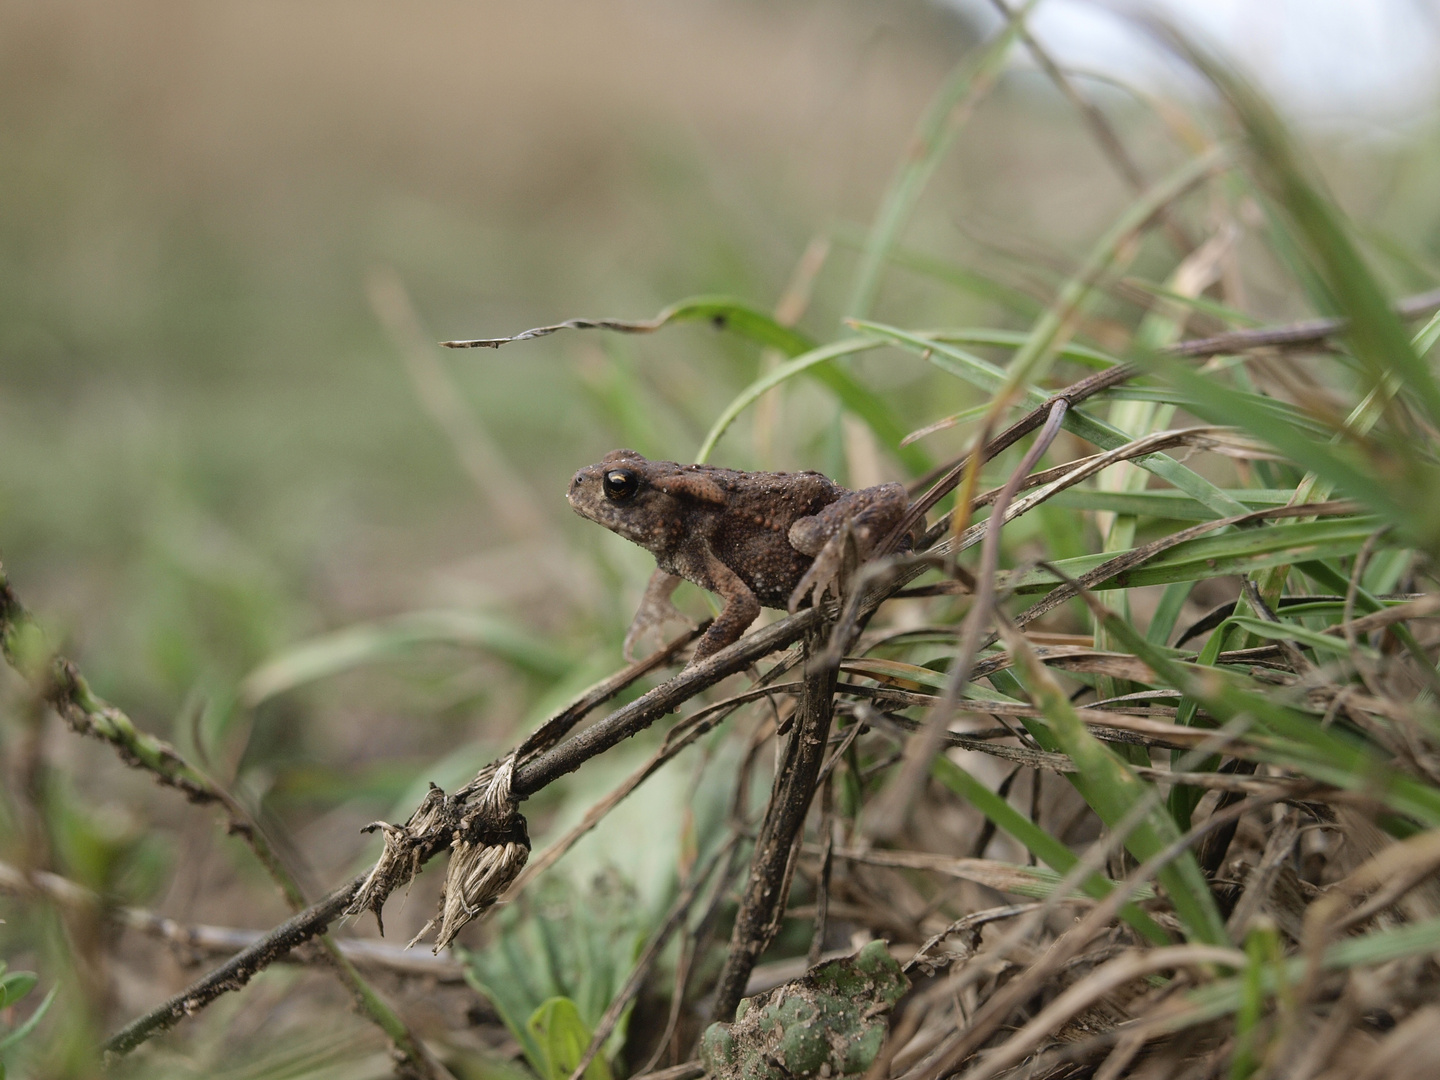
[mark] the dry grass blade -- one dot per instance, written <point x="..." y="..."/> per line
<point x="1109" y="978"/>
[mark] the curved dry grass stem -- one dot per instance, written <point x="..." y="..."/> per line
<point x="1109" y="978"/>
<point x="887" y="815"/>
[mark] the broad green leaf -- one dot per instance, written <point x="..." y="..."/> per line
<point x="15" y="986"/>
<point x="563" y="1039"/>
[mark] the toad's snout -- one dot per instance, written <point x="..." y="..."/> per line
<point x="578" y="483"/>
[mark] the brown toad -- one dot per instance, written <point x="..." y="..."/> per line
<point x="756" y="538"/>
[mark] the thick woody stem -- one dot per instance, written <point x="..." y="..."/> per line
<point x="763" y="904"/>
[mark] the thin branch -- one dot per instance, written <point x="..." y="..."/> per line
<point x="1291" y="335"/>
<point x="236" y="972"/>
<point x="678" y="738"/>
<point x="664" y="699"/>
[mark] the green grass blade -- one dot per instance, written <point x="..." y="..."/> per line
<point x="31" y="1022"/>
<point x="1429" y="334"/>
<point x="871" y="408"/>
<point x="1285" y="736"/>
<point x="1164" y="503"/>
<point x="355" y="646"/>
<point x="1167" y="612"/>
<point x="1225" y="996"/>
<point x="1015" y="339"/>
<point x="729" y="313"/>
<point x="1037" y="841"/>
<point x="1288" y="631"/>
<point x="948" y="110"/>
<point x="769" y="380"/>
<point x="958" y="277"/>
<point x="1033" y="358"/>
<point x="1203" y="304"/>
<point x="1375" y="333"/>
<point x="1114" y="791"/>
<point x="1236" y="552"/>
<point x="981" y="373"/>
<point x="1225" y="405"/>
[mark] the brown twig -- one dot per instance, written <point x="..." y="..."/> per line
<point x="1003" y="1003"/>
<point x="237" y="971"/>
<point x="678" y="738"/>
<point x="1290" y="335"/>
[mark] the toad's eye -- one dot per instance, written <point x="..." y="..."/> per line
<point x="620" y="484"/>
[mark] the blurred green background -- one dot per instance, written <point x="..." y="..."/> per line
<point x="231" y="233"/>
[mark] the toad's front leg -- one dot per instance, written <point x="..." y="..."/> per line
<point x="865" y="516"/>
<point x="741" y="608"/>
<point x="655" y="609"/>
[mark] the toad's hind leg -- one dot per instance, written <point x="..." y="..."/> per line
<point x="862" y="518"/>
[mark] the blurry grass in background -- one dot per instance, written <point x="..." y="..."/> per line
<point x="332" y="565"/>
